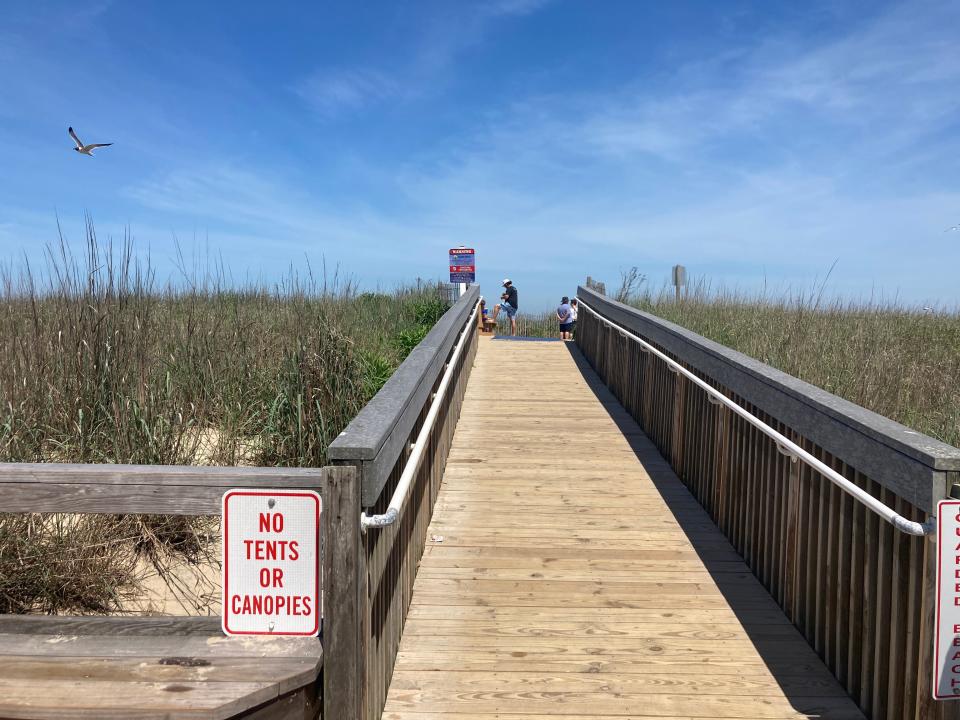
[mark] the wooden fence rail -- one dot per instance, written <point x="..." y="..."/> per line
<point x="367" y="618"/>
<point x="132" y="489"/>
<point x="860" y="592"/>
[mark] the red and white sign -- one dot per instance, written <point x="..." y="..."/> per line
<point x="946" y="649"/>
<point x="271" y="562"/>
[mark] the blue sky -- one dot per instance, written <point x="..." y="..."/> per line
<point x="755" y="142"/>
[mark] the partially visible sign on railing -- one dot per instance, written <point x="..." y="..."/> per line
<point x="271" y="562"/>
<point x="946" y="649"/>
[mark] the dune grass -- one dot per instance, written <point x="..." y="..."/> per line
<point x="899" y="361"/>
<point x="538" y="325"/>
<point x="102" y="363"/>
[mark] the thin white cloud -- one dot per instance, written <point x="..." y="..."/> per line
<point x="255" y="202"/>
<point x="514" y="7"/>
<point x="891" y="78"/>
<point x="331" y="91"/>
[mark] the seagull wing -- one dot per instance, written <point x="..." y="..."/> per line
<point x="74" y="136"/>
<point x="96" y="145"/>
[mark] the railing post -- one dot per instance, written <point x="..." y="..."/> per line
<point x="721" y="442"/>
<point x="792" y="570"/>
<point x="344" y="597"/>
<point x="678" y="424"/>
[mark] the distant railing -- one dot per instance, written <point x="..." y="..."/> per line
<point x="378" y="568"/>
<point x="861" y="592"/>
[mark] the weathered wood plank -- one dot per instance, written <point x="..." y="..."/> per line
<point x="757" y="684"/>
<point x="170" y="490"/>
<point x="601" y="704"/>
<point x="113" y="626"/>
<point x="39" y="699"/>
<point x="170" y="475"/>
<point x="161" y="646"/>
<point x="288" y="674"/>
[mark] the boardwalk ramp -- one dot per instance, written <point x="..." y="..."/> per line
<point x="569" y="573"/>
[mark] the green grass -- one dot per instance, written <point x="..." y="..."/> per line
<point x="106" y="366"/>
<point x="100" y="363"/>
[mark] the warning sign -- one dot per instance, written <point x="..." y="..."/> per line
<point x="463" y="265"/>
<point x="946" y="661"/>
<point x="271" y="562"/>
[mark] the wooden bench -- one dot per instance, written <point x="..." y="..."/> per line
<point x="157" y="667"/>
<point x="486" y="324"/>
<point x="114" y="667"/>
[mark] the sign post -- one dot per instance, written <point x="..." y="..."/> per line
<point x="946" y="649"/>
<point x="271" y="562"/>
<point x="679" y="278"/>
<point x="463" y="267"/>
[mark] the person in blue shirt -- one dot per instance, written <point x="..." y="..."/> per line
<point x="565" y="317"/>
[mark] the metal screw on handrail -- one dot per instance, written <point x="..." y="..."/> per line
<point x="784" y="450"/>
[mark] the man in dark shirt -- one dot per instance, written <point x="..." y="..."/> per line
<point x="508" y="305"/>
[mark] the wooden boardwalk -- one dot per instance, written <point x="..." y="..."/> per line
<point x="577" y="577"/>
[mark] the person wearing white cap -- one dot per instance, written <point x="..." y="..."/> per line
<point x="508" y="305"/>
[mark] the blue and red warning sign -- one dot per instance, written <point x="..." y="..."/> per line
<point x="463" y="265"/>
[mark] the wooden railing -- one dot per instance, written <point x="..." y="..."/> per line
<point x="860" y="592"/>
<point x="378" y="568"/>
<point x="135" y="489"/>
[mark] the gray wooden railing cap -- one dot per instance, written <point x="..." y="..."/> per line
<point x="377" y="435"/>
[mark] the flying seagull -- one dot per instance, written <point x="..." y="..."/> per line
<point x="955" y="228"/>
<point x="85" y="149"/>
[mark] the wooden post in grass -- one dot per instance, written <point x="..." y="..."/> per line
<point x="679" y="279"/>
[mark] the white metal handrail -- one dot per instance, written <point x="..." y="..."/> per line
<point x="784" y="444"/>
<point x="419" y="445"/>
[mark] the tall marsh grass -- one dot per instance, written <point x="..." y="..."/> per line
<point x="102" y="363"/>
<point x="899" y="361"/>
